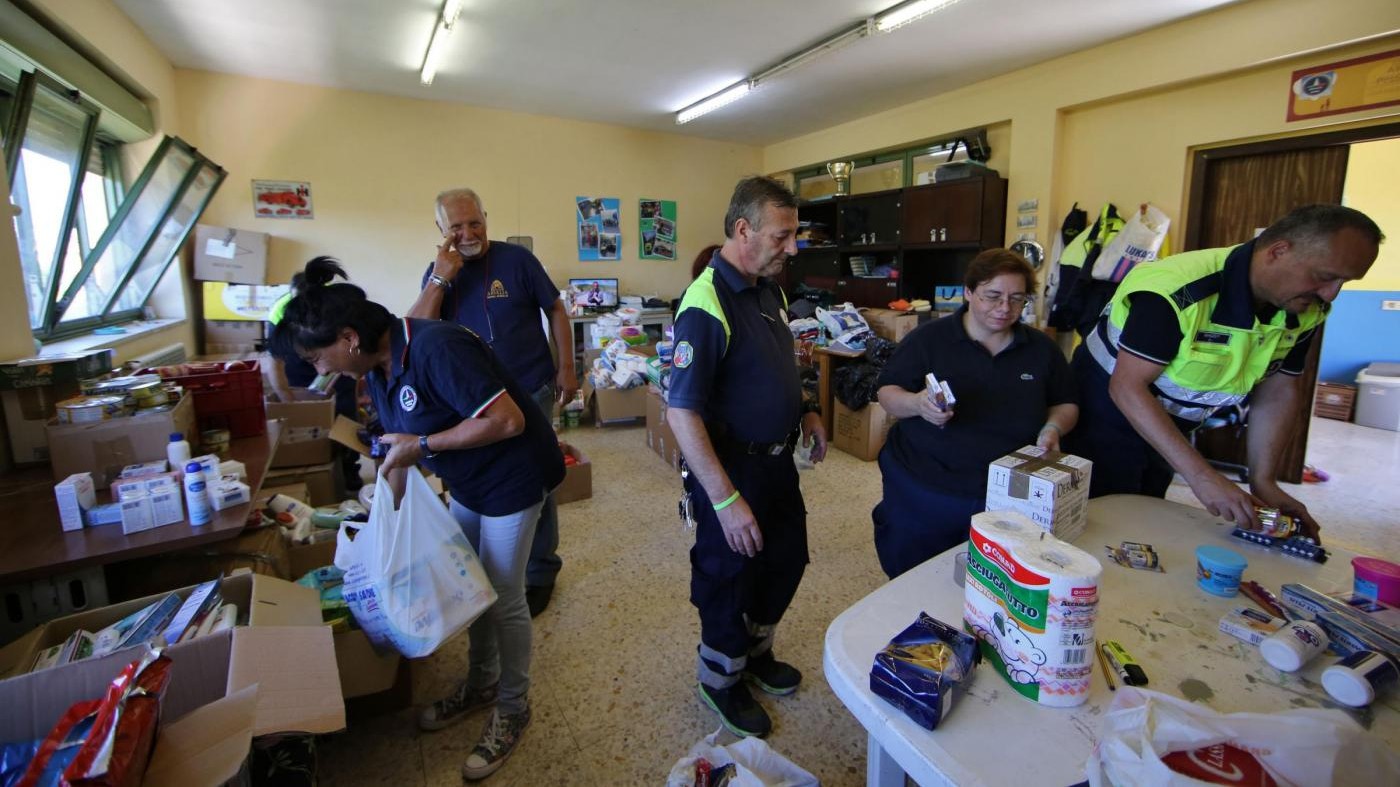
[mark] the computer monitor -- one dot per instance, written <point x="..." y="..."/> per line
<point x="595" y="294"/>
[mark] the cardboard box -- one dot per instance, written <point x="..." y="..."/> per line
<point x="890" y="324"/>
<point x="232" y="337"/>
<point x="323" y="483"/>
<point x="611" y="405"/>
<point x="578" y="478"/>
<point x="362" y="670"/>
<point x="284" y="648"/>
<point x="1049" y="487"/>
<point x="861" y="433"/>
<point x="103" y="448"/>
<point x="306" y="432"/>
<point x="246" y="302"/>
<point x="223" y="254"/>
<point x="29" y="389"/>
<point x="660" y="439"/>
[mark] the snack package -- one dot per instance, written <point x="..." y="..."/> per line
<point x="938" y="392"/>
<point x="921" y="669"/>
<point x="1132" y="554"/>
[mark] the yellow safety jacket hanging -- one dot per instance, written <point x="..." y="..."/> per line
<point x="1217" y="364"/>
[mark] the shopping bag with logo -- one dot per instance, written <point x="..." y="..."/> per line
<point x="1149" y="738"/>
<point x="1139" y="241"/>
<point x="412" y="580"/>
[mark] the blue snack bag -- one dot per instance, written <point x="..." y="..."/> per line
<point x="921" y="669"/>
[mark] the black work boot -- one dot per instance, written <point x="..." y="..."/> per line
<point x="774" y="677"/>
<point x="737" y="710"/>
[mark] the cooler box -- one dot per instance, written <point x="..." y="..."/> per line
<point x="1378" y="400"/>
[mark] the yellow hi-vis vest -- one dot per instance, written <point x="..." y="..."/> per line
<point x="1217" y="364"/>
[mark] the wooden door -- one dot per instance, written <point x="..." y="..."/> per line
<point x="1247" y="191"/>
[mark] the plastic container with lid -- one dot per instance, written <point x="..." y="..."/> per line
<point x="1378" y="396"/>
<point x="1377" y="579"/>
<point x="1218" y="570"/>
<point x="1294" y="645"/>
<point x="1357" y="679"/>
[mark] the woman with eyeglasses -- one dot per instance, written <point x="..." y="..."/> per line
<point x="1012" y="388"/>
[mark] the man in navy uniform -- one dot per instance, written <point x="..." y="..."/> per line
<point x="499" y="290"/>
<point x="735" y="406"/>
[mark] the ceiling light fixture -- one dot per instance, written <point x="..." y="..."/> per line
<point x="896" y="16"/>
<point x="442" y="30"/>
<point x="904" y="13"/>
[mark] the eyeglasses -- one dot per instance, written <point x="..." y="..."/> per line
<point x="1015" y="301"/>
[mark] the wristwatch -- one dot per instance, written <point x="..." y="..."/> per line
<point x="440" y="281"/>
<point x="428" y="453"/>
<point x="810" y="406"/>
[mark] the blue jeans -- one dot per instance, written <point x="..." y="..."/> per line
<point x="501" y="637"/>
<point x="545" y="562"/>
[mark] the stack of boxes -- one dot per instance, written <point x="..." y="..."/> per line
<point x="1049" y="487"/>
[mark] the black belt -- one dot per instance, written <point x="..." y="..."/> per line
<point x="761" y="449"/>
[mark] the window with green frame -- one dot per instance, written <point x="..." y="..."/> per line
<point x="91" y="251"/>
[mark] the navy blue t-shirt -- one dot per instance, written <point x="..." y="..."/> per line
<point x="499" y="297"/>
<point x="442" y="375"/>
<point x="1002" y="400"/>
<point x="744" y="379"/>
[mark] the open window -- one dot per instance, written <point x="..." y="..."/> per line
<point x="91" y="251"/>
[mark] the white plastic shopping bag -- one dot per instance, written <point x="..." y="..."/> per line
<point x="1153" y="739"/>
<point x="756" y="764"/>
<point x="1139" y="241"/>
<point x="412" y="580"/>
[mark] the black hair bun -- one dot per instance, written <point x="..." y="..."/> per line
<point x="319" y="272"/>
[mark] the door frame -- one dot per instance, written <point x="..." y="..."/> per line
<point x="1196" y="191"/>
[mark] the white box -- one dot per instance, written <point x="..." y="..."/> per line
<point x="145" y="468"/>
<point x="223" y="254"/>
<point x="75" y="494"/>
<point x="137" y="514"/>
<point x="1050" y="488"/>
<point x="167" y="505"/>
<point x="227" y="494"/>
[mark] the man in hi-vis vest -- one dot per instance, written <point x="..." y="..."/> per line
<point x="1189" y="334"/>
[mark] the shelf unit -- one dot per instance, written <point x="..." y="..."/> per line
<point x="927" y="234"/>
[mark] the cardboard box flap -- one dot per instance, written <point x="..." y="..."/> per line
<point x="347" y="432"/>
<point x="279" y="603"/>
<point x="295" y="669"/>
<point x="206" y="747"/>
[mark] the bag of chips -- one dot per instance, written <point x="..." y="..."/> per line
<point x="922" y="668"/>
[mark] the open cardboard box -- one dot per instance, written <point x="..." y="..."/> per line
<point x="347" y="432"/>
<point x="105" y="447"/>
<point x="578" y="478"/>
<point x="306" y="426"/>
<point x="362" y="670"/>
<point x="285" y="654"/>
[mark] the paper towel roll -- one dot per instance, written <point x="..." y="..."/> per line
<point x="1031" y="600"/>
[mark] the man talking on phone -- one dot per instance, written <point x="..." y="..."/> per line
<point x="499" y="290"/>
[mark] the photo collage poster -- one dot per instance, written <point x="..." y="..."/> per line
<point x="657" y="229"/>
<point x="599" y="228"/>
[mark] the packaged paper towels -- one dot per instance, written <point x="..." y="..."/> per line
<point x="1031" y="599"/>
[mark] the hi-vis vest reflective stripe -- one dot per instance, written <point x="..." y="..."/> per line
<point x="701" y="295"/>
<point x="1216" y="365"/>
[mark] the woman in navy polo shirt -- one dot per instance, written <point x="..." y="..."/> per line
<point x="1013" y="388"/>
<point x="446" y="402"/>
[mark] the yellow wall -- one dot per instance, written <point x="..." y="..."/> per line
<point x="1373" y="187"/>
<point x="1115" y="122"/>
<point x="376" y="162"/>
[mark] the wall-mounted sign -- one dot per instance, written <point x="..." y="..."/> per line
<point x="282" y="199"/>
<point x="1346" y="86"/>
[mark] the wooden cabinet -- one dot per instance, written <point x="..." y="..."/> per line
<point x="925" y="234"/>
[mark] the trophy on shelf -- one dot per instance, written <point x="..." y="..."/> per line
<point x="840" y="172"/>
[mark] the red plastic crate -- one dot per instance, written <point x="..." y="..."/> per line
<point x="226" y="400"/>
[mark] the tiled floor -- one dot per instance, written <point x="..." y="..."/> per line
<point x="613" y="674"/>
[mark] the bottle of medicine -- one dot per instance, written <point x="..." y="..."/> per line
<point x="178" y="451"/>
<point x="197" y="494"/>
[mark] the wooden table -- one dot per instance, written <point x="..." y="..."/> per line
<point x="827" y="359"/>
<point x="1163" y="619"/>
<point x="32" y="544"/>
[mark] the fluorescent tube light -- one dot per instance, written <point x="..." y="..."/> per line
<point x="450" y="10"/>
<point x="724" y="97"/>
<point x="434" y="54"/>
<point x="908" y="12"/>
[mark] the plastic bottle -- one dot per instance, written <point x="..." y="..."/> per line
<point x="196" y="494"/>
<point x="178" y="451"/>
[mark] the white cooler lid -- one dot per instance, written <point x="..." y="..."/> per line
<point x="1386" y="374"/>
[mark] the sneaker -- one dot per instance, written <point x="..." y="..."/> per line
<point x="737" y="710"/>
<point x="774" y="677"/>
<point x="498" y="740"/>
<point x="537" y="598"/>
<point x="458" y="705"/>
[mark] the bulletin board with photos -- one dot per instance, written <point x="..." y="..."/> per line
<point x="599" y="228"/>
<point x="657" y="229"/>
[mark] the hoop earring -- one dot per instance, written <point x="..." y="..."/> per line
<point x="355" y="351"/>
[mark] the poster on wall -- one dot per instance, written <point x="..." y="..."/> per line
<point x="657" y="228"/>
<point x="599" y="228"/>
<point x="1345" y="86"/>
<point x="282" y="199"/>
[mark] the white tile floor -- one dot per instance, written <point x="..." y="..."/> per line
<point x="613" y="675"/>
